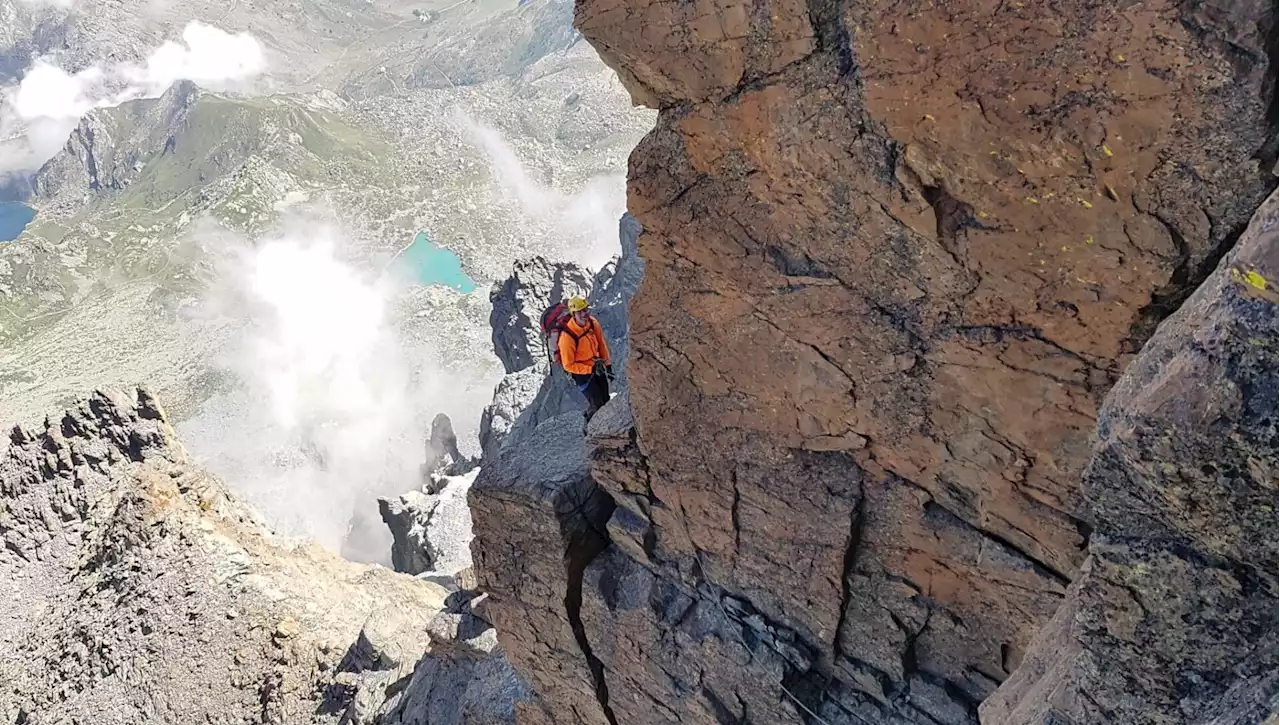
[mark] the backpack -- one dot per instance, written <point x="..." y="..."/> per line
<point x="554" y="320"/>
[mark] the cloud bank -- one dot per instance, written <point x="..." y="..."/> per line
<point x="331" y="395"/>
<point x="581" y="227"/>
<point x="44" y="108"/>
<point x="322" y="419"/>
<point x="208" y="56"/>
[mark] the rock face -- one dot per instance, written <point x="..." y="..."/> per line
<point x="137" y="590"/>
<point x="108" y="150"/>
<point x="409" y="516"/>
<point x="527" y="395"/>
<point x="540" y="495"/>
<point x="519" y="301"/>
<point x="897" y="254"/>
<point x="1175" y="609"/>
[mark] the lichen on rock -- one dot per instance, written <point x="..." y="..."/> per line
<point x="897" y="254"/>
<point x="1173" y="618"/>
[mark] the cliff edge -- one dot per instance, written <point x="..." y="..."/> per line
<point x="897" y="254"/>
<point x="138" y="590"/>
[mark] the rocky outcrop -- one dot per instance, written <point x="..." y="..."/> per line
<point x="109" y="149"/>
<point x="1173" y="618"/>
<point x="431" y="527"/>
<point x="431" y="531"/>
<point x="527" y="396"/>
<point x="137" y="590"/>
<point x="443" y="456"/>
<point x="551" y="514"/>
<point x="464" y="678"/>
<point x="897" y="255"/>
<point x="409" y="517"/>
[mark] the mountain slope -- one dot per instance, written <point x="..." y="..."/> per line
<point x="141" y="591"/>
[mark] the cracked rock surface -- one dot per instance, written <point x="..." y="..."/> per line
<point x="1173" y="618"/>
<point x="137" y="590"/>
<point x="897" y="254"/>
<point x="543" y="519"/>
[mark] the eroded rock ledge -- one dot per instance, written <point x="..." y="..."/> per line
<point x="897" y="255"/>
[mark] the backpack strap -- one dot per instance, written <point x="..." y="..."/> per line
<point x="591" y="324"/>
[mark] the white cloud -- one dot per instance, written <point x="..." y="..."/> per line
<point x="41" y="111"/>
<point x="333" y="395"/>
<point x="209" y="56"/>
<point x="582" y="227"/>
<point x="48" y="92"/>
<point x="323" y="419"/>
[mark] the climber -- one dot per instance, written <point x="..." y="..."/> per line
<point x="585" y="356"/>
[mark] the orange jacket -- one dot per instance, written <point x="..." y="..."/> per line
<point x="577" y="355"/>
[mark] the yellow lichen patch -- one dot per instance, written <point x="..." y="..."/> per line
<point x="1088" y="239"/>
<point x="982" y="215"/>
<point x="1255" y="285"/>
<point x="1107" y="150"/>
<point x="1255" y="279"/>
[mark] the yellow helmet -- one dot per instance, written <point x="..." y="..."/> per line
<point x="577" y="304"/>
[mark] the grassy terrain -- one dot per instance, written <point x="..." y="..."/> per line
<point x="229" y="159"/>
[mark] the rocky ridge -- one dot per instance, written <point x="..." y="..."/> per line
<point x="527" y="395"/>
<point x="523" y="399"/>
<point x="890" y="280"/>
<point x="140" y="591"/>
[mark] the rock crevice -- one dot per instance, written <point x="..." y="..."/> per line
<point x="897" y="256"/>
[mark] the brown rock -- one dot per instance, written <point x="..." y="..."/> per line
<point x="897" y="253"/>
<point x="1173" y="618"/>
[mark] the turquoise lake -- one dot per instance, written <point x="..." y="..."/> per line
<point x="14" y="218"/>
<point x="433" y="264"/>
